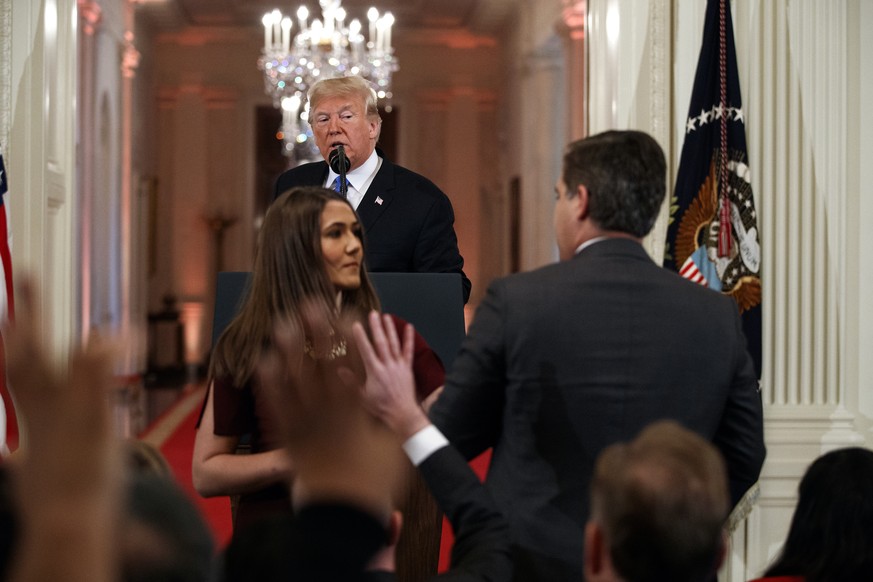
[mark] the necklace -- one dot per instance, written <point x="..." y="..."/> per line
<point x="337" y="350"/>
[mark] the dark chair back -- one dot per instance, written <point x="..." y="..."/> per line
<point x="230" y="290"/>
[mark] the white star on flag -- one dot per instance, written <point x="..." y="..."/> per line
<point x="689" y="127"/>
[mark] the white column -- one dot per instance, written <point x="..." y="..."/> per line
<point x="189" y="199"/>
<point x="129" y="63"/>
<point x="544" y="136"/>
<point x="90" y="17"/>
<point x="463" y="161"/>
<point x="227" y="208"/>
<point x="5" y="70"/>
<point x="197" y="184"/>
<point x="38" y="76"/>
<point x="572" y="29"/>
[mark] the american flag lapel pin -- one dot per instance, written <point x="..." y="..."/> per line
<point x="379" y="200"/>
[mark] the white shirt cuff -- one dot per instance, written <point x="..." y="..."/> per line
<point x="424" y="443"/>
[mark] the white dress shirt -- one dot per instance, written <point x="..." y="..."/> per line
<point x="424" y="443"/>
<point x="588" y="243"/>
<point x="359" y="179"/>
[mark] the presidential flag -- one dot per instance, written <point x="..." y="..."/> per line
<point x="8" y="424"/>
<point x="713" y="237"/>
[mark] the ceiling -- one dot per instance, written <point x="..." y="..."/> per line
<point x="476" y="16"/>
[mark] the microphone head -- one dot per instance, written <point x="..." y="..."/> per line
<point x="338" y="161"/>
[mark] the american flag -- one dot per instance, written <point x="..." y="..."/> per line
<point x="713" y="237"/>
<point x="8" y="424"/>
<point x="7" y="305"/>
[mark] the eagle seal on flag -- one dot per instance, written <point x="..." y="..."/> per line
<point x="736" y="272"/>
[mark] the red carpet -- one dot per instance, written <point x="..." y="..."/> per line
<point x="480" y="466"/>
<point x="173" y="433"/>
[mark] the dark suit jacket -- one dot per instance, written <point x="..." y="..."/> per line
<point x="410" y="231"/>
<point x="322" y="542"/>
<point x="568" y="359"/>
<point x="481" y="549"/>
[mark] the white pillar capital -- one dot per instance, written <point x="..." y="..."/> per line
<point x="130" y="58"/>
<point x="91" y="14"/>
<point x="573" y="19"/>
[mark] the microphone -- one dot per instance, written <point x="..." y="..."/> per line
<point x="338" y="161"/>
<point x="340" y="164"/>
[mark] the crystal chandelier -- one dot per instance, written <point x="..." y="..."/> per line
<point x="321" y="49"/>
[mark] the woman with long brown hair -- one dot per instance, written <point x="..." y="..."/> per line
<point x="310" y="247"/>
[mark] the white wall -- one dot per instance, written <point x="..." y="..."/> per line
<point x="38" y="115"/>
<point x="68" y="157"/>
<point x="108" y="231"/>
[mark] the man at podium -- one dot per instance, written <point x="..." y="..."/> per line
<point x="408" y="221"/>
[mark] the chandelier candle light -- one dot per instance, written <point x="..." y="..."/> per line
<point x="322" y="49"/>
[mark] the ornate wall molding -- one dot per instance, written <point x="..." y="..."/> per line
<point x="572" y="28"/>
<point x="794" y="92"/>
<point x="660" y="65"/>
<point x="5" y="70"/>
<point x="439" y="99"/>
<point x="546" y="57"/>
<point x="213" y="96"/>
<point x="544" y="127"/>
<point x="204" y="36"/>
<point x="660" y="106"/>
<point x="452" y="39"/>
<point x="90" y="14"/>
<point x="130" y="57"/>
<point x="573" y="19"/>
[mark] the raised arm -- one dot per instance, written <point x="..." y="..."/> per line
<point x="481" y="550"/>
<point x="68" y="484"/>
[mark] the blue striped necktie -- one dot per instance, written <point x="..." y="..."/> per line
<point x="337" y="185"/>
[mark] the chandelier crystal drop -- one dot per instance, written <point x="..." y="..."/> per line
<point x="322" y="49"/>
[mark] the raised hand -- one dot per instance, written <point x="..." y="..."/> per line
<point x="339" y="449"/>
<point x="390" y="387"/>
<point x="68" y="480"/>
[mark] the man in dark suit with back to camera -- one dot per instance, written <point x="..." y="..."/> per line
<point x="563" y="361"/>
<point x="407" y="220"/>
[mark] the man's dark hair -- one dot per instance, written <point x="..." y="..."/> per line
<point x="661" y="501"/>
<point x="831" y="533"/>
<point x="625" y="173"/>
